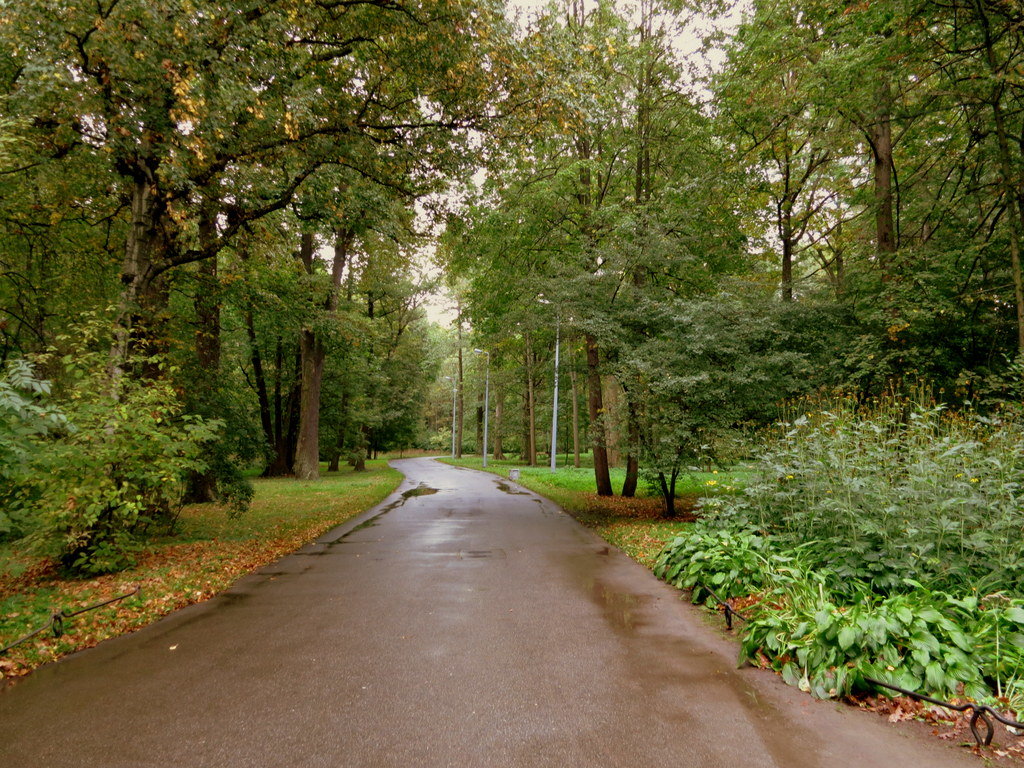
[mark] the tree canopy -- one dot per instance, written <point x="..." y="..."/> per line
<point x="220" y="212"/>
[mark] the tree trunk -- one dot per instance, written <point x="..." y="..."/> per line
<point x="202" y="399"/>
<point x="358" y="460"/>
<point x="595" y="404"/>
<point x="260" y="380"/>
<point x="787" y="252"/>
<point x="480" y="421"/>
<point x="668" y="493"/>
<point x="632" y="460"/>
<point x="339" y="440"/>
<point x="311" y="350"/>
<point x="292" y="412"/>
<point x="524" y="440"/>
<point x="784" y="211"/>
<point x="1010" y="190"/>
<point x="281" y="461"/>
<point x="136" y="268"/>
<point x="307" y="450"/>
<point x="207" y="305"/>
<point x="881" y="145"/>
<point x="499" y="418"/>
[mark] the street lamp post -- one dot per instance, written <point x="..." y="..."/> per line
<point x="554" y="402"/>
<point x="487" y="391"/>
<point x="455" y="386"/>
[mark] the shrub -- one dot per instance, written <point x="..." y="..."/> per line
<point x="870" y="538"/>
<point x="120" y="469"/>
<point x="732" y="562"/>
<point x="25" y="416"/>
<point x="894" y="492"/>
<point x="920" y="641"/>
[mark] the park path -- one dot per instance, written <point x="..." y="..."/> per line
<point x="464" y="622"/>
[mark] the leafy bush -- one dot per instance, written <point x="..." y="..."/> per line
<point x="121" y="469"/>
<point x="868" y="539"/>
<point x="88" y="468"/>
<point x="827" y="644"/>
<point x="732" y="563"/>
<point x="25" y="416"/>
<point x="920" y="641"/>
<point x="895" y="492"/>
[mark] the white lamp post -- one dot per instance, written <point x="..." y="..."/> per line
<point x="487" y="391"/>
<point x="455" y="386"/>
<point x="554" y="402"/>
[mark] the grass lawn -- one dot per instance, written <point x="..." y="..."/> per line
<point x="637" y="526"/>
<point x="208" y="553"/>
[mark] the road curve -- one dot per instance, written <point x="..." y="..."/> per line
<point x="463" y="622"/>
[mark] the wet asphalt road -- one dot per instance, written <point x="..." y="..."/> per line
<point x="467" y="623"/>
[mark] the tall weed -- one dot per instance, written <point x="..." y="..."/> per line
<point x="894" y="492"/>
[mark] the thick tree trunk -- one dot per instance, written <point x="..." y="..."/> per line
<point x="307" y="450"/>
<point x="311" y="350"/>
<point x="135" y="270"/>
<point x="202" y="486"/>
<point x="595" y="404"/>
<point x="881" y="145"/>
<point x="208" y="320"/>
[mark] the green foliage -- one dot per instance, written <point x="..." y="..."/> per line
<point x="25" y="417"/>
<point x="864" y="541"/>
<point x="893" y="491"/>
<point x="119" y="470"/>
<point x="922" y="641"/>
<point x="732" y="562"/>
<point x="702" y="372"/>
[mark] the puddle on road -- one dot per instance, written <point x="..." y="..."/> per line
<point x="506" y="488"/>
<point x="421" y="490"/>
<point x="619" y="608"/>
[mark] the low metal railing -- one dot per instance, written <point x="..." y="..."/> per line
<point x="58" y="618"/>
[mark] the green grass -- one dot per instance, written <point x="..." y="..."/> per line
<point x="636" y="526"/>
<point x="581" y="480"/>
<point x="209" y="551"/>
